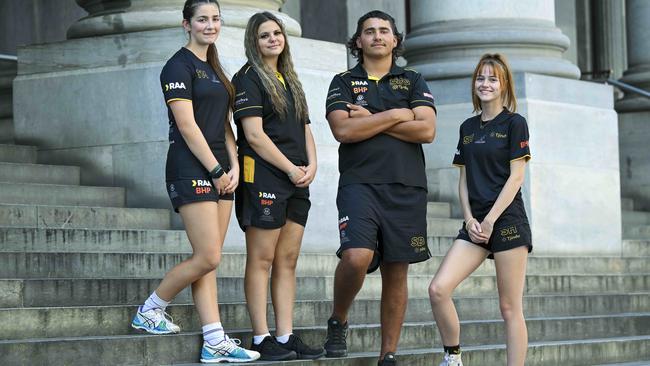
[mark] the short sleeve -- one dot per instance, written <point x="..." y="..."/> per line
<point x="420" y="94"/>
<point x="459" y="156"/>
<point x="338" y="95"/>
<point x="248" y="95"/>
<point x="176" y="81"/>
<point x="519" y="148"/>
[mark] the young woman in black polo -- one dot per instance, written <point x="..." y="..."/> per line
<point x="201" y="172"/>
<point x="278" y="158"/>
<point x="492" y="154"/>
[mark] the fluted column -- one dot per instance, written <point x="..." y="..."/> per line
<point x="120" y="16"/>
<point x="448" y="37"/>
<point x="638" y="55"/>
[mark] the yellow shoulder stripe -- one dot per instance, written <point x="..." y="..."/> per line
<point x="175" y="99"/>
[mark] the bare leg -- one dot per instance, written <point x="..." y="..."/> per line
<point x="348" y="279"/>
<point x="204" y="290"/>
<point x="205" y="235"/>
<point x="283" y="275"/>
<point x="461" y="260"/>
<point x="511" y="277"/>
<point x="260" y="251"/>
<point x="394" y="297"/>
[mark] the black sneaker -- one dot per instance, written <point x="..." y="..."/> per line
<point x="389" y="360"/>
<point x="335" y="344"/>
<point x="303" y="351"/>
<point x="270" y="350"/>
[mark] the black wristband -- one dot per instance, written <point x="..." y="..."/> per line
<point x="217" y="172"/>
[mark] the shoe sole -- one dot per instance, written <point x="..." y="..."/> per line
<point x="289" y="357"/>
<point x="310" y="357"/>
<point x="333" y="354"/>
<point x="150" y="331"/>
<point x="228" y="359"/>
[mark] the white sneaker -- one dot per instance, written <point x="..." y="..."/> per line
<point x="451" y="360"/>
<point x="227" y="350"/>
<point x="154" y="321"/>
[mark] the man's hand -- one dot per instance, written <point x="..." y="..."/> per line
<point x="358" y="111"/>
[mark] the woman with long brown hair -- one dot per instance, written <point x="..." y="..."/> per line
<point x="202" y="173"/>
<point x="278" y="156"/>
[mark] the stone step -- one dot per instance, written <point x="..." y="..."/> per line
<point x="636" y="218"/>
<point x="119" y="291"/>
<point x="636" y="248"/>
<point x="39" y="322"/>
<point x="440" y="226"/>
<point x="438" y="209"/>
<point x="143" y="264"/>
<point x="29" y="216"/>
<point x="636" y="232"/>
<point x="96" y="240"/>
<point x="627" y="204"/>
<point x="155" y="350"/>
<point x="39" y="173"/>
<point x="64" y="195"/>
<point x="18" y="154"/>
<point x="6" y="131"/>
<point x="638" y="363"/>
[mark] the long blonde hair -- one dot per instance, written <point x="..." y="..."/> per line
<point x="501" y="69"/>
<point x="285" y="66"/>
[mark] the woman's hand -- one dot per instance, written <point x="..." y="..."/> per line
<point x="295" y="174"/>
<point x="475" y="231"/>
<point x="310" y="174"/>
<point x="233" y="174"/>
<point x="221" y="183"/>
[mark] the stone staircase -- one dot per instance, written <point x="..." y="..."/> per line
<point x="74" y="263"/>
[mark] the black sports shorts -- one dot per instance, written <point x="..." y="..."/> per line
<point x="266" y="198"/>
<point x="184" y="191"/>
<point x="505" y="236"/>
<point x="390" y="219"/>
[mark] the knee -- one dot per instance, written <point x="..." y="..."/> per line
<point x="286" y="261"/>
<point x="208" y="262"/>
<point x="438" y="292"/>
<point x="510" y="310"/>
<point x="259" y="261"/>
<point x="356" y="261"/>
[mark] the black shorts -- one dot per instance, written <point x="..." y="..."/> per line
<point x="506" y="235"/>
<point x="184" y="191"/>
<point x="266" y="198"/>
<point x="390" y="219"/>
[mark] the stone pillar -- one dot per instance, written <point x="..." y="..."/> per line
<point x="123" y="16"/>
<point x="107" y="113"/>
<point x="634" y="126"/>
<point x="8" y="72"/>
<point x="572" y="183"/>
<point x="447" y="37"/>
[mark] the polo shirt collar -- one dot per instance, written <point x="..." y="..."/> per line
<point x="360" y="72"/>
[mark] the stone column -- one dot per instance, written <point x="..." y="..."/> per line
<point x="8" y="72"/>
<point x="447" y="37"/>
<point x="95" y="99"/>
<point x="572" y="182"/>
<point x="634" y="125"/>
<point x="123" y="16"/>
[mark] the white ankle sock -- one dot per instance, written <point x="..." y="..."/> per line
<point x="284" y="338"/>
<point x="154" y="302"/>
<point x="257" y="339"/>
<point x="213" y="333"/>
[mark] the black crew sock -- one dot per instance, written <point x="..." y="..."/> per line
<point x="452" y="350"/>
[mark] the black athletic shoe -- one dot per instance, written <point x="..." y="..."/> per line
<point x="303" y="351"/>
<point x="389" y="360"/>
<point x="270" y="350"/>
<point x="335" y="344"/>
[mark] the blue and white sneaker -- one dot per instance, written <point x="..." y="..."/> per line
<point x="227" y="350"/>
<point x="154" y="321"/>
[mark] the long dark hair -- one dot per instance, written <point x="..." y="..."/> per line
<point x="213" y="55"/>
<point x="285" y="67"/>
<point x="358" y="52"/>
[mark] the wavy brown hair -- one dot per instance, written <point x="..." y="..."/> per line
<point x="213" y="55"/>
<point x="501" y="69"/>
<point x="285" y="66"/>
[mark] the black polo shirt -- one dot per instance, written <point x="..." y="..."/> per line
<point x="186" y="77"/>
<point x="252" y="100"/>
<point x="381" y="158"/>
<point x="486" y="149"/>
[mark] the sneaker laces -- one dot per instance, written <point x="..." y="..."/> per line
<point x="227" y="344"/>
<point x="162" y="313"/>
<point x="338" y="333"/>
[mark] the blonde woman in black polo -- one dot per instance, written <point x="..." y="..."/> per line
<point x="492" y="154"/>
<point x="278" y="158"/>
